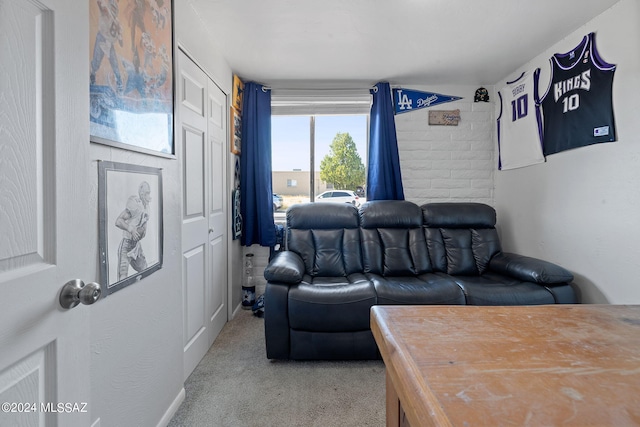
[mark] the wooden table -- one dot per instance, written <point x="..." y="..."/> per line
<point x="522" y="366"/>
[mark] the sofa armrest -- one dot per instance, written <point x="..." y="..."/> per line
<point x="529" y="269"/>
<point x="285" y="267"/>
<point x="276" y="320"/>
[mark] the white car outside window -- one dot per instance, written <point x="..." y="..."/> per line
<point x="339" y="196"/>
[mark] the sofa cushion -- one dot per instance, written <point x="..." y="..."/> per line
<point x="327" y="238"/>
<point x="496" y="289"/>
<point x="460" y="251"/>
<point x="322" y="216"/>
<point x="461" y="237"/>
<point x="331" y="304"/>
<point x="393" y="243"/>
<point x="390" y="214"/>
<point x="427" y="288"/>
<point x="458" y="215"/>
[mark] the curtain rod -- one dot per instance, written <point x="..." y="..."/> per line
<point x="374" y="88"/>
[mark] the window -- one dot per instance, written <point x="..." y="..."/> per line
<point x="304" y="124"/>
<point x="312" y="154"/>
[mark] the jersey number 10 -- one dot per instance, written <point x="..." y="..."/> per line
<point x="520" y="107"/>
<point x="571" y="103"/>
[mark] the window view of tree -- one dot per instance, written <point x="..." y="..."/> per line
<point x="343" y="166"/>
<point x="319" y="158"/>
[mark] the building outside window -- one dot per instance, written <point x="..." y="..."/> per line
<point x="305" y="124"/>
<point x="308" y="148"/>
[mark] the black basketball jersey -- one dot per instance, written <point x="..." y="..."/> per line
<point x="578" y="105"/>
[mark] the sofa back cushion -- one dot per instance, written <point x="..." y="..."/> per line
<point x="327" y="238"/>
<point x="461" y="237"/>
<point x="393" y="243"/>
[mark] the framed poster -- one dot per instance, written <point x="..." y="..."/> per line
<point x="237" y="94"/>
<point x="236" y="131"/>
<point x="131" y="75"/>
<point x="130" y="223"/>
<point x="236" y="218"/>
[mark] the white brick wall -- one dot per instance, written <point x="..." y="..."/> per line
<point x="448" y="163"/>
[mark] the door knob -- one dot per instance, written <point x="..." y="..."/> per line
<point x="75" y="292"/>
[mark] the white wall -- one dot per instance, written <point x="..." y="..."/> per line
<point x="448" y="163"/>
<point x="136" y="333"/>
<point x="581" y="208"/>
<point x="137" y="343"/>
<point x="190" y="33"/>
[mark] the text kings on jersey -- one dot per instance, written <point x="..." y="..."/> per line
<point x="578" y="106"/>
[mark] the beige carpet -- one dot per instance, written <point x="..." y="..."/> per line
<point x="236" y="385"/>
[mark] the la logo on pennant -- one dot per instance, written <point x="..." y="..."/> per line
<point x="403" y="101"/>
<point x="409" y="100"/>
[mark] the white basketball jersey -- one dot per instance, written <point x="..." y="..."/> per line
<point x="520" y="123"/>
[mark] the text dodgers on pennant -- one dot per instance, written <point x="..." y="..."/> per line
<point x="406" y="100"/>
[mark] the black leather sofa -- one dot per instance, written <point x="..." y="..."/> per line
<point x="339" y="261"/>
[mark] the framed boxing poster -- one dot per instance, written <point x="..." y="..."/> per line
<point x="130" y="223"/>
<point x="131" y="75"/>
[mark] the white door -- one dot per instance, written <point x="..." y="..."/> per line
<point x="218" y="211"/>
<point x="44" y="192"/>
<point x="202" y="124"/>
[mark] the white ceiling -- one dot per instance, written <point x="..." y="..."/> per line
<point x="400" y="41"/>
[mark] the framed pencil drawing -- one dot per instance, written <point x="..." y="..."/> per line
<point x="131" y="75"/>
<point x="130" y="223"/>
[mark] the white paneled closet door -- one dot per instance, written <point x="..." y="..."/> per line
<point x="202" y="134"/>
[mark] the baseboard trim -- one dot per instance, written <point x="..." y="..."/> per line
<point x="236" y="311"/>
<point x="172" y="409"/>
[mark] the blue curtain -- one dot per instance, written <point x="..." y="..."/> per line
<point x="256" y="197"/>
<point x="384" y="181"/>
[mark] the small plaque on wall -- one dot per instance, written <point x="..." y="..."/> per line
<point x="444" y="117"/>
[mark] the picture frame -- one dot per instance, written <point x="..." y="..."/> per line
<point x="130" y="220"/>
<point x="237" y="93"/>
<point x="236" y="217"/>
<point x="444" y="117"/>
<point x="236" y="131"/>
<point x="131" y="75"/>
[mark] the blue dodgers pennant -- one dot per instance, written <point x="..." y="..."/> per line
<point x="406" y="100"/>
